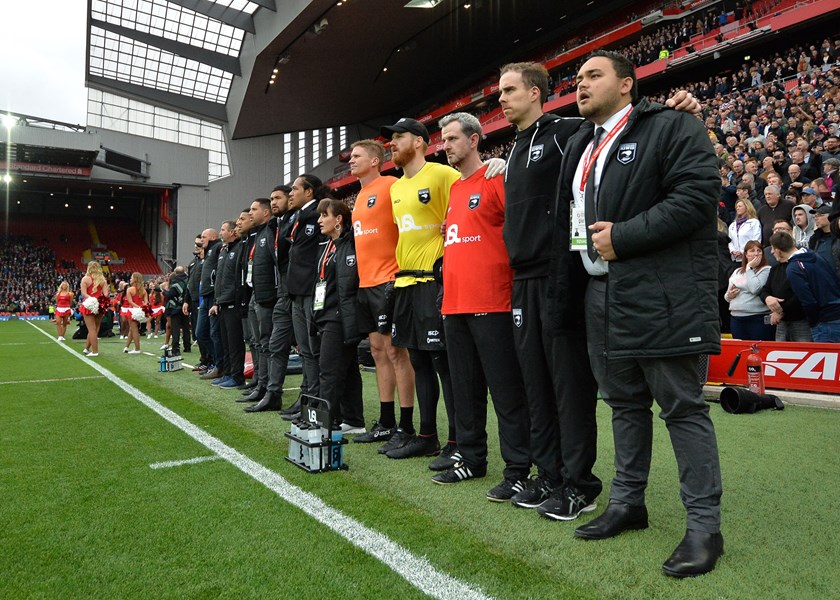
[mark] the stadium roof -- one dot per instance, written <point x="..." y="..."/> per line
<point x="335" y="62"/>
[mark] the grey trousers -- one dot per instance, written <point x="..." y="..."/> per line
<point x="281" y="339"/>
<point x="309" y="345"/>
<point x="629" y="386"/>
<point x="262" y="336"/>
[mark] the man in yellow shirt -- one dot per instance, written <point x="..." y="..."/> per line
<point x="420" y="199"/>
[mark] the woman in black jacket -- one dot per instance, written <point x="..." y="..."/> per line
<point x="334" y="315"/>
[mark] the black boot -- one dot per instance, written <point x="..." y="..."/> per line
<point x="294" y="408"/>
<point x="269" y="402"/>
<point x="254" y="396"/>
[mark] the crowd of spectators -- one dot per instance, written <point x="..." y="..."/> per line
<point x="28" y="278"/>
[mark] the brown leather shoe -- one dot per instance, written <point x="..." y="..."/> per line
<point x="213" y="373"/>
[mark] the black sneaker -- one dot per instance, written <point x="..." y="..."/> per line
<point x="377" y="433"/>
<point x="399" y="439"/>
<point x="566" y="504"/>
<point x="447" y="458"/>
<point x="506" y="490"/>
<point x="419" y="446"/>
<point x="459" y="472"/>
<point x="537" y="491"/>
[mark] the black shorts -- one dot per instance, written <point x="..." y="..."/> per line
<point x="375" y="309"/>
<point x="417" y="321"/>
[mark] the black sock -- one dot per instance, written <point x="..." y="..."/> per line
<point x="407" y="419"/>
<point x="386" y="414"/>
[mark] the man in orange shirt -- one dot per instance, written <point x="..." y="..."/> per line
<point x="477" y="282"/>
<point x="376" y="237"/>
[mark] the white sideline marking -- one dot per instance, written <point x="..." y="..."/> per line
<point x="52" y="380"/>
<point x="24" y="343"/>
<point x="189" y="461"/>
<point x="149" y="354"/>
<point x="417" y="570"/>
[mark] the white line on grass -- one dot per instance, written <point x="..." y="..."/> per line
<point x="415" y="569"/>
<point x="52" y="380"/>
<point x="24" y="343"/>
<point x="189" y="461"/>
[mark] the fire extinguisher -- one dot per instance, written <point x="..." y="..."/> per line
<point x="755" y="369"/>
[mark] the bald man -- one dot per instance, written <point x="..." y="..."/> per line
<point x="207" y="328"/>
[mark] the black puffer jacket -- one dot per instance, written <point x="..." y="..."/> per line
<point x="307" y="246"/>
<point x="341" y="274"/>
<point x="662" y="200"/>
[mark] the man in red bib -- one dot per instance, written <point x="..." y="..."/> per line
<point x="477" y="281"/>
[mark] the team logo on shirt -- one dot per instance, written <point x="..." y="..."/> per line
<point x="262" y="242"/>
<point x="536" y="152"/>
<point x="371" y="201"/>
<point x="351" y="260"/>
<point x="474" y="200"/>
<point x="231" y="255"/>
<point x="424" y="196"/>
<point x="626" y="153"/>
<point x="310" y="229"/>
<point x="517" y="317"/>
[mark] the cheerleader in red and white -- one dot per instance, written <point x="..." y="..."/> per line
<point x="94" y="288"/>
<point x="63" y="309"/>
<point x="156" y="302"/>
<point x="138" y="302"/>
<point x="124" y="310"/>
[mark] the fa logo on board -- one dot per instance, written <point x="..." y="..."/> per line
<point x="424" y="196"/>
<point x="474" y="200"/>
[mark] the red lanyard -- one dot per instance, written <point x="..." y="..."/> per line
<point x="294" y="229"/>
<point x="590" y="160"/>
<point x="326" y="258"/>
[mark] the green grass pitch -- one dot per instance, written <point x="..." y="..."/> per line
<point x="82" y="514"/>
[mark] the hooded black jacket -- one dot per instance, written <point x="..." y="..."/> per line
<point x="307" y="246"/>
<point x="530" y="192"/>
<point x="662" y="200"/>
<point x="264" y="265"/>
<point x="208" y="271"/>
<point x="227" y="290"/>
<point x="193" y="279"/>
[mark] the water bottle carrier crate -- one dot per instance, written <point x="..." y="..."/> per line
<point x="314" y="447"/>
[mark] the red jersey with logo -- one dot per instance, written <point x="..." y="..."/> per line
<point x="63" y="300"/>
<point x="375" y="233"/>
<point x="477" y="277"/>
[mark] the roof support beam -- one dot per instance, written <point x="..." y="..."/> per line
<point x="202" y="55"/>
<point x="202" y="109"/>
<point x="229" y="16"/>
<point x="269" y="4"/>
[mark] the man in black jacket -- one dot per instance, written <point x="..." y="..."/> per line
<point x="226" y="307"/>
<point x="175" y="292"/>
<point x="190" y="307"/>
<point x="305" y="250"/>
<point x="250" y="324"/>
<point x="559" y="385"/>
<point x="651" y="301"/>
<point x="261" y="277"/>
<point x="207" y="327"/>
<point x="282" y="332"/>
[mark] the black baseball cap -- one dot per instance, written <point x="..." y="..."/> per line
<point x="406" y="125"/>
<point x="824" y="209"/>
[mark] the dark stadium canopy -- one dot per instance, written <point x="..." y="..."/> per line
<point x="337" y="62"/>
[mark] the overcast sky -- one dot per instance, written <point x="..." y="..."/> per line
<point x="42" y="59"/>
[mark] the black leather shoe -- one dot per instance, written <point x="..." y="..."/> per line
<point x="290" y="416"/>
<point x="269" y="402"/>
<point x="254" y="396"/>
<point x="294" y="408"/>
<point x="250" y="386"/>
<point x="618" y="517"/>
<point x="696" y="554"/>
